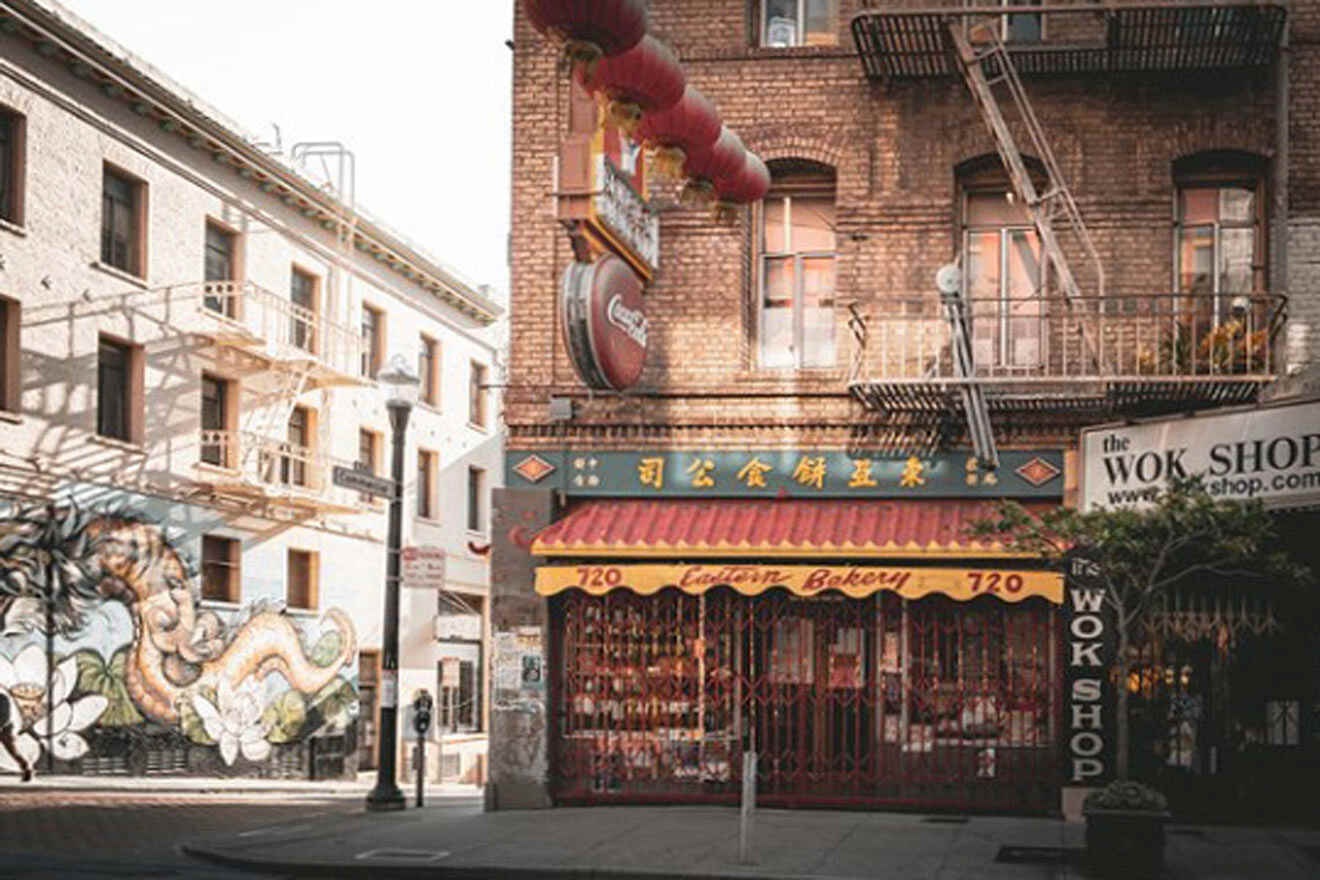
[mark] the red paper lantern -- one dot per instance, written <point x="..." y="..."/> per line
<point x="645" y="79"/>
<point x="749" y="183"/>
<point x="590" y="28"/>
<point x="690" y="125"/>
<point x="718" y="161"/>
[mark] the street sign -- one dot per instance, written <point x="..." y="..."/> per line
<point x="423" y="568"/>
<point x="360" y="481"/>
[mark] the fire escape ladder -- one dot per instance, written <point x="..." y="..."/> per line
<point x="985" y="65"/>
<point x="269" y="424"/>
<point x="973" y="395"/>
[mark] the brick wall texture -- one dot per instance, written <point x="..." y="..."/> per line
<point x="895" y="149"/>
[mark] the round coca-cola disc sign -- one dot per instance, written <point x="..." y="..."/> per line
<point x="604" y="322"/>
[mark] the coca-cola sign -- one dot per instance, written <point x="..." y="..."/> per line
<point x="604" y="322"/>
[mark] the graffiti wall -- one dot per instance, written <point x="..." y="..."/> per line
<point x="143" y="679"/>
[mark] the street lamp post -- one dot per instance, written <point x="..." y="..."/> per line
<point x="400" y="385"/>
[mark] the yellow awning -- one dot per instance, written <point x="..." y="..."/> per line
<point x="910" y="582"/>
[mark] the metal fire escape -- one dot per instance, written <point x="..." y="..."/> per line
<point x="985" y="64"/>
<point x="1100" y="354"/>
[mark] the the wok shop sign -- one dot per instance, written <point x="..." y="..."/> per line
<point x="1271" y="453"/>
<point x="1091" y="644"/>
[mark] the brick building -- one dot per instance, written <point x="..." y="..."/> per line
<point x="811" y="330"/>
<point x="191" y="330"/>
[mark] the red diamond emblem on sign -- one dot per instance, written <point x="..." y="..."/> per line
<point x="533" y="468"/>
<point x="1038" y="472"/>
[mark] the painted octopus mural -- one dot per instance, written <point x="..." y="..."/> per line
<point x="138" y="658"/>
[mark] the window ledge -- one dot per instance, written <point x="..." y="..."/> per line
<point x="12" y="417"/>
<point x="485" y="536"/>
<point x="302" y="612"/>
<point x="475" y="427"/>
<point x="116" y="272"/>
<point x="433" y="408"/>
<point x="114" y="443"/>
<point x="427" y="520"/>
<point x="13" y="228"/>
<point x="207" y="468"/>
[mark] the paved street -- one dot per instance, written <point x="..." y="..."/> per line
<point x="48" y="833"/>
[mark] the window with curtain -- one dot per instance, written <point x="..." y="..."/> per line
<point x="1220" y="251"/>
<point x="797" y="245"/>
<point x="1003" y="280"/>
<point x="787" y="23"/>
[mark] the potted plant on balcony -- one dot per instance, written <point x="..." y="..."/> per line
<point x="1226" y="349"/>
<point x="1125" y="829"/>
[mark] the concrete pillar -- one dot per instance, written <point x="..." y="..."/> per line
<point x="520" y="669"/>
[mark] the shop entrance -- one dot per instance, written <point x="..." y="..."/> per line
<point x="876" y="701"/>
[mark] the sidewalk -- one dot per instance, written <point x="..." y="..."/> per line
<point x="217" y="785"/>
<point x="455" y="839"/>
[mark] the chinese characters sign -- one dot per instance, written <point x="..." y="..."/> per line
<point x="960" y="584"/>
<point x="787" y="473"/>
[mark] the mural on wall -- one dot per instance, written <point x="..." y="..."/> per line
<point x="144" y="678"/>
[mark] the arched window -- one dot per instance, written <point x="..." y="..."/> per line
<point x="797" y="247"/>
<point x="1219" y="229"/>
<point x="1003" y="276"/>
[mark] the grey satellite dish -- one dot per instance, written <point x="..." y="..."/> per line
<point x="949" y="278"/>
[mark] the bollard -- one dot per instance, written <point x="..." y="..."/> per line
<point x="748" y="807"/>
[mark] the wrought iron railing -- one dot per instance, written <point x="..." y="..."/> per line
<point x="1171" y="335"/>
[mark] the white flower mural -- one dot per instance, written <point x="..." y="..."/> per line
<point x="24" y="680"/>
<point x="234" y="721"/>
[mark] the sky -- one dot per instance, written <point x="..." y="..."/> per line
<point x="418" y="90"/>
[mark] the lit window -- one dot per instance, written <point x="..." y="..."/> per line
<point x="796" y="326"/>
<point x="123" y="201"/>
<point x="799" y="23"/>
<point x="1283" y="722"/>
<point x="221" y="561"/>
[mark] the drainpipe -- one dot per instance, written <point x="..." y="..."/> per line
<point x="1279" y="239"/>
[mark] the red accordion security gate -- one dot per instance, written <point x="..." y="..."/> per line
<point x="847" y="701"/>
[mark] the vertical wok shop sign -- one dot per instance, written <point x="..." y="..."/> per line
<point x="1090" y="648"/>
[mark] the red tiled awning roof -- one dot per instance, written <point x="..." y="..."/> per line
<point x="773" y="528"/>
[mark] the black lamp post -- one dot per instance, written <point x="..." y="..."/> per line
<point x="400" y="385"/>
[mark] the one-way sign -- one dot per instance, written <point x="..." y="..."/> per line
<point x="361" y="481"/>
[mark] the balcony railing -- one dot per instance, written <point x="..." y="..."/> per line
<point x="1091" y="346"/>
<point x="275" y="470"/>
<point x="245" y="314"/>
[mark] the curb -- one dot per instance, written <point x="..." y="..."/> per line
<point x="381" y="868"/>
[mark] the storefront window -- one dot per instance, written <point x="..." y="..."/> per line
<point x="870" y="697"/>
